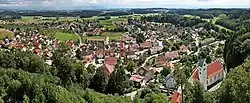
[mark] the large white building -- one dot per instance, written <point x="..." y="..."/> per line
<point x="208" y="74"/>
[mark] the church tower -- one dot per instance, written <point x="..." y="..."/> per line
<point x="202" y="67"/>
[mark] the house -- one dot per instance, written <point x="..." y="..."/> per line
<point x="176" y="97"/>
<point x="109" y="69"/>
<point x="208" y="74"/>
<point x="109" y="64"/>
<point x="160" y="61"/>
<point x="170" y="82"/>
<point x="207" y="41"/>
<point x="122" y="49"/>
<point x="145" y="45"/>
<point x="145" y="74"/>
<point x="170" y="65"/>
<point x="100" y="54"/>
<point x="183" y="49"/>
<point x="156" y="49"/>
<point x="131" y="55"/>
<point x="172" y="55"/>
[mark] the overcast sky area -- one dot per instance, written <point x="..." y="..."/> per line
<point x="88" y="4"/>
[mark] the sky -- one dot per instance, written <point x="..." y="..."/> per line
<point x="88" y="4"/>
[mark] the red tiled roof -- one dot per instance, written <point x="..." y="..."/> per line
<point x="146" y="45"/>
<point x="195" y="75"/>
<point x="176" y="97"/>
<point x="160" y="60"/>
<point x="110" y="60"/>
<point x="13" y="44"/>
<point x="136" y="78"/>
<point x="109" y="68"/>
<point x="37" y="51"/>
<point x="20" y="45"/>
<point x="214" y="68"/>
<point x="36" y="44"/>
<point x="170" y="65"/>
<point x="171" y="55"/>
<point x="100" y="52"/>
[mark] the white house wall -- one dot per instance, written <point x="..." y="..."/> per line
<point x="215" y="78"/>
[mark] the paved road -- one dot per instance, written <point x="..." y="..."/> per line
<point x="132" y="94"/>
<point x="148" y="58"/>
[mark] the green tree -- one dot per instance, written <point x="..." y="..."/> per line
<point x="198" y="93"/>
<point x="165" y="49"/>
<point x="235" y="88"/>
<point x="131" y="66"/>
<point x="208" y="59"/>
<point x="165" y="71"/>
<point x="156" y="98"/>
<point x="100" y="80"/>
<point x="180" y="78"/>
<point x="118" y="82"/>
<point x="91" y="69"/>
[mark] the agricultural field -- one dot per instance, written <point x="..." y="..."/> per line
<point x="66" y="36"/>
<point x="5" y="33"/>
<point x="221" y="27"/>
<point x="213" y="21"/>
<point x="112" y="36"/>
<point x="39" y="19"/>
<point x="191" y="16"/>
<point x="22" y="27"/>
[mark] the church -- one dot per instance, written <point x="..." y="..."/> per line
<point x="208" y="74"/>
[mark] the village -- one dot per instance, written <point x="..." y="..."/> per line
<point x="152" y="47"/>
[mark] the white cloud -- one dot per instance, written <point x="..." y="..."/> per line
<point x="132" y="3"/>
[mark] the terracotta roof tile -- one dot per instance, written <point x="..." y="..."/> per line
<point x="110" y="60"/>
<point x="171" y="55"/>
<point x="214" y="68"/>
<point x="136" y="78"/>
<point x="176" y="97"/>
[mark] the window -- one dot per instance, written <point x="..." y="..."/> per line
<point x="211" y="80"/>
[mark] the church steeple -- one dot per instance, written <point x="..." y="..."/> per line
<point x="202" y="67"/>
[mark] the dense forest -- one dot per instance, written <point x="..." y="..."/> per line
<point x="173" y="19"/>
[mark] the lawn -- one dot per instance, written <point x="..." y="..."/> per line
<point x="5" y="33"/>
<point x="107" y="24"/>
<point x="66" y="36"/>
<point x="112" y="36"/>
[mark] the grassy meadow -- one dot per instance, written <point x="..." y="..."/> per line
<point x="66" y="36"/>
<point x="5" y="33"/>
<point x="111" y="35"/>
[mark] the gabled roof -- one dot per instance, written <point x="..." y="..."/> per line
<point x="109" y="68"/>
<point x="136" y="78"/>
<point x="110" y="60"/>
<point x="176" y="97"/>
<point x="161" y="60"/>
<point x="195" y="75"/>
<point x="146" y="45"/>
<point x="214" y="68"/>
<point x="171" y="55"/>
